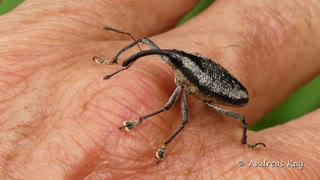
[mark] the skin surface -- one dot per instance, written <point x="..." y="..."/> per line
<point x="59" y="119"/>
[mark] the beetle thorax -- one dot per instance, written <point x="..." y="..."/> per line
<point x="190" y="88"/>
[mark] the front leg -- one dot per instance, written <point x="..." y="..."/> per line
<point x="161" y="153"/>
<point x="129" y="125"/>
<point x="146" y="41"/>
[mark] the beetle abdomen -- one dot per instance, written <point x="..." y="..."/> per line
<point x="212" y="80"/>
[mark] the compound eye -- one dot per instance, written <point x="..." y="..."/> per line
<point x="175" y="60"/>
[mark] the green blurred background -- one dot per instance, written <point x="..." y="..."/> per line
<point x="304" y="100"/>
<point x="8" y="5"/>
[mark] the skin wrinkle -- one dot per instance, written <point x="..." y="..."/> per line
<point x="113" y="16"/>
<point x="27" y="128"/>
<point x="111" y="115"/>
<point x="83" y="125"/>
<point x="21" y="54"/>
<point x="19" y="158"/>
<point x="260" y="39"/>
<point x="74" y="169"/>
<point x="74" y="158"/>
<point x="202" y="44"/>
<point x="293" y="144"/>
<point x="133" y="111"/>
<point x="30" y="123"/>
<point x="14" y="93"/>
<point x="93" y="153"/>
<point x="27" y="69"/>
<point x="130" y="110"/>
<point x="201" y="165"/>
<point x="141" y="85"/>
<point x="109" y="97"/>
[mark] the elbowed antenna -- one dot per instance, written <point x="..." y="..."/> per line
<point x="121" y="32"/>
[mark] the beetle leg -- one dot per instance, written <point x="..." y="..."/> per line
<point x="146" y="41"/>
<point x="129" y="125"/>
<point x="114" y="60"/>
<point x="116" y="72"/>
<point x="244" y="125"/>
<point x="161" y="153"/>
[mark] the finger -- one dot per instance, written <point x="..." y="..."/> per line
<point x="268" y="48"/>
<point x="252" y="56"/>
<point x="266" y="60"/>
<point x="68" y="20"/>
<point x="292" y="149"/>
<point x="296" y="144"/>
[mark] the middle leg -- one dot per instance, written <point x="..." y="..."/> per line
<point x="161" y="153"/>
<point x="129" y="125"/>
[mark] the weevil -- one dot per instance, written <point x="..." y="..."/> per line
<point x="194" y="74"/>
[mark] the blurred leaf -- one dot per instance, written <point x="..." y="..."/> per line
<point x="8" y="5"/>
<point x="304" y="100"/>
<point x="201" y="6"/>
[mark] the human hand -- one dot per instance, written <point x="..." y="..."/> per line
<point x="59" y="119"/>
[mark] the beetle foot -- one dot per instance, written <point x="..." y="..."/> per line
<point x="129" y="125"/>
<point x="254" y="146"/>
<point x="161" y="153"/>
<point x="99" y="60"/>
